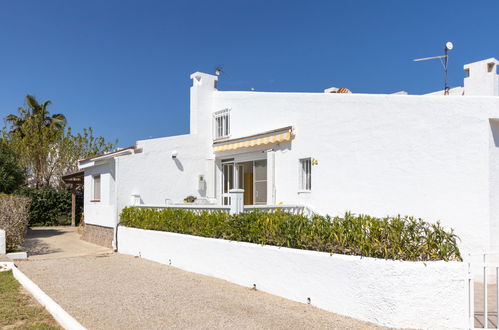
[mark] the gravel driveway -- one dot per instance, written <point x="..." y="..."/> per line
<point x="115" y="291"/>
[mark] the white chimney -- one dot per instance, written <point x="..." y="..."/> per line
<point x="481" y="78"/>
<point x="203" y="86"/>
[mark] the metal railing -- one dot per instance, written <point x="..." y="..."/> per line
<point x="483" y="290"/>
<point x="198" y="208"/>
<point x="289" y="208"/>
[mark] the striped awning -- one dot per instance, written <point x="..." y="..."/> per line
<point x="271" y="137"/>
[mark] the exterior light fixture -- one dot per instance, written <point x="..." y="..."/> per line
<point x="174" y="154"/>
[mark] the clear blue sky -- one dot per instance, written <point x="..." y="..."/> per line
<point x="123" y="67"/>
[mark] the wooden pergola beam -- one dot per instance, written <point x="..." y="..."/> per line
<point x="74" y="179"/>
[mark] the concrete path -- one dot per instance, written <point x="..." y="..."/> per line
<point x="115" y="291"/>
<point x="491" y="305"/>
<point x="58" y="242"/>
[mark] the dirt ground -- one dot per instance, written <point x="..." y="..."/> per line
<point x="106" y="290"/>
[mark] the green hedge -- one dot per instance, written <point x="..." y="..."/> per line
<point x="51" y="206"/>
<point x="400" y="238"/>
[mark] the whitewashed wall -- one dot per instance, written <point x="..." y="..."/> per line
<point x="426" y="156"/>
<point x="390" y="293"/>
<point x="155" y="176"/>
<point x="102" y="213"/>
<point x="494" y="183"/>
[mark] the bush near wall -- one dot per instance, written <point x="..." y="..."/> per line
<point x="51" y="206"/>
<point x="399" y="238"/>
<point x="14" y="219"/>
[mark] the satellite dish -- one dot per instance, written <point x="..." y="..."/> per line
<point x="449" y="45"/>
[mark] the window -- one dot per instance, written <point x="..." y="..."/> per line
<point x="306" y="174"/>
<point x="221" y="125"/>
<point x="96" y="188"/>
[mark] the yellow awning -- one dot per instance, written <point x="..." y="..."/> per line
<point x="276" y="136"/>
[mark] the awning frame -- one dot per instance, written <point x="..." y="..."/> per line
<point x="276" y="136"/>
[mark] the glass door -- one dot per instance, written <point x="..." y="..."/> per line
<point x="260" y="182"/>
<point x="227" y="181"/>
<point x="250" y="176"/>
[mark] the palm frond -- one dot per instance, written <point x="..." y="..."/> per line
<point x="32" y="102"/>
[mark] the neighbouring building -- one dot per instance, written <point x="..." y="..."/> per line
<point x="429" y="156"/>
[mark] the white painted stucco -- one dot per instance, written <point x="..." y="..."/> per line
<point x="428" y="156"/>
<point x="391" y="293"/>
<point x="102" y="212"/>
<point x="3" y="242"/>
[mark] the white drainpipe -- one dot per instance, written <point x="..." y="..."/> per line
<point x="116" y="170"/>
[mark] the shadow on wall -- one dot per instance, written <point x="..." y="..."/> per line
<point x="494" y="127"/>
<point x="179" y="165"/>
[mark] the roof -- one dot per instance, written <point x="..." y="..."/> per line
<point x="108" y="154"/>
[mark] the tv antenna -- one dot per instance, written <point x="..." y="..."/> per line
<point x="444" y="59"/>
<point x="219" y="70"/>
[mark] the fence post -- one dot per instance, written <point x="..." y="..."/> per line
<point x="236" y="201"/>
<point x="3" y="242"/>
<point x="134" y="199"/>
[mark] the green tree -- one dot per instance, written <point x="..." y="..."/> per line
<point x="11" y="173"/>
<point x="73" y="147"/>
<point x="47" y="148"/>
<point x="38" y="113"/>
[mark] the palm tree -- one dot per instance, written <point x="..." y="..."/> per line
<point x="39" y="113"/>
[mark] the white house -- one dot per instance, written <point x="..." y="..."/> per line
<point x="430" y="156"/>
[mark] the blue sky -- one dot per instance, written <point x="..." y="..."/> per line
<point x="123" y="67"/>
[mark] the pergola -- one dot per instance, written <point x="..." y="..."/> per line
<point x="74" y="179"/>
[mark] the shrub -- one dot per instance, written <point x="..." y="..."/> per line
<point x="11" y="173"/>
<point x="399" y="238"/>
<point x="14" y="219"/>
<point x="51" y="206"/>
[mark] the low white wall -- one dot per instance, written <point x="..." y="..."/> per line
<point x="390" y="293"/>
<point x="100" y="215"/>
<point x="3" y="242"/>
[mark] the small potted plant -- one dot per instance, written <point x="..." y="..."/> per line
<point x="190" y="199"/>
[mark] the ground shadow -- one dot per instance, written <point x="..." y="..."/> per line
<point x="36" y="247"/>
<point x="39" y="233"/>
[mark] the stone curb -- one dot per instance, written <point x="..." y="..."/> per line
<point x="59" y="314"/>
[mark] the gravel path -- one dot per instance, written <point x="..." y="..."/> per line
<point x="114" y="291"/>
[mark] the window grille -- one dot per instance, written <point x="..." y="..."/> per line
<point x="306" y="174"/>
<point x="221" y="125"/>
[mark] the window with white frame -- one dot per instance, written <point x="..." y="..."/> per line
<point x="221" y="124"/>
<point x="306" y="174"/>
<point x="96" y="188"/>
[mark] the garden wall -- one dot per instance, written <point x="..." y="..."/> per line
<point x="386" y="292"/>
